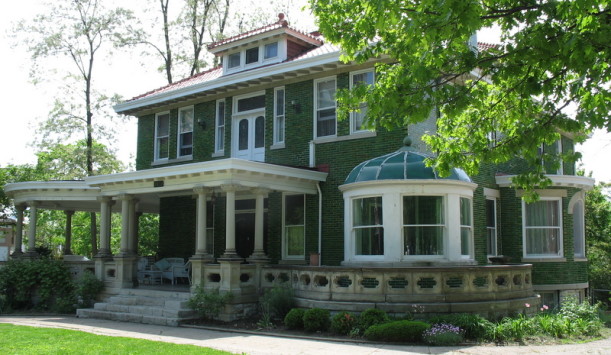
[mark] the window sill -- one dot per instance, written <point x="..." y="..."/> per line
<point x="553" y="259"/>
<point x="581" y="259"/>
<point x="277" y="146"/>
<point x="170" y="161"/>
<point x="217" y="154"/>
<point x="358" y="135"/>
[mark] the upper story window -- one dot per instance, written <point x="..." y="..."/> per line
<point x="252" y="57"/>
<point x="552" y="149"/>
<point x="279" y="106"/>
<point x="325" y="122"/>
<point x="542" y="228"/>
<point x="219" y="127"/>
<point x="185" y="131"/>
<point x="162" y="136"/>
<point x="363" y="77"/>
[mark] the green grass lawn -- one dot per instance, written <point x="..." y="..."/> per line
<point x="17" y="339"/>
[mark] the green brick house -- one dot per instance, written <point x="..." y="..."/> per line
<point x="258" y="182"/>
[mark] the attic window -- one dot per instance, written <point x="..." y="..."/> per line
<point x="270" y="50"/>
<point x="252" y="55"/>
<point x="233" y="60"/>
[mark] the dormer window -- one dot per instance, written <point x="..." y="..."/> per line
<point x="233" y="60"/>
<point x="270" y="50"/>
<point x="252" y="55"/>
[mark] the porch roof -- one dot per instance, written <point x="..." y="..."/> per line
<point x="149" y="185"/>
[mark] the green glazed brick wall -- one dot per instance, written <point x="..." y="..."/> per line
<point x="144" y="147"/>
<point x="484" y="179"/>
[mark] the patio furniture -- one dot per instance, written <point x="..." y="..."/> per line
<point x="148" y="273"/>
<point x="174" y="268"/>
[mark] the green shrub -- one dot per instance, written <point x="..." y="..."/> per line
<point x="343" y="323"/>
<point x="401" y="331"/>
<point x="88" y="287"/>
<point x="316" y="319"/>
<point x="294" y="318"/>
<point x="371" y="316"/>
<point x="208" y="304"/>
<point x="35" y="284"/>
<point x="278" y="301"/>
<point x="474" y="326"/>
<point x="443" y="334"/>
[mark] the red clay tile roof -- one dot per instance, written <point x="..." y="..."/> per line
<point x="267" y="28"/>
<point x="482" y="46"/>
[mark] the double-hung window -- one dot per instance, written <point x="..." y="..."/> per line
<point x="466" y="226"/>
<point x="423" y="225"/>
<point x="279" y="120"/>
<point x="368" y="226"/>
<point x="491" y="232"/>
<point x="365" y="78"/>
<point x="579" y="243"/>
<point x="185" y="131"/>
<point x="542" y="222"/>
<point x="294" y="226"/>
<point x="219" y="127"/>
<point x="325" y="120"/>
<point x="162" y="136"/>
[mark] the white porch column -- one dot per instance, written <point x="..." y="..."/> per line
<point x="68" y="246"/>
<point x="32" y="228"/>
<point x="258" y="251"/>
<point x="131" y="239"/>
<point x="230" y="251"/>
<point x="105" y="204"/>
<point x="126" y="201"/>
<point x="19" y="231"/>
<point x="201" y="240"/>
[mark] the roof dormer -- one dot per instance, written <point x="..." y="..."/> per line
<point x="263" y="46"/>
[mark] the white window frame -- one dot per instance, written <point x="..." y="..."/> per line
<point x="279" y="129"/>
<point x="277" y="51"/>
<point x="559" y="228"/>
<point x="317" y="108"/>
<point x="157" y="137"/>
<point x="281" y="45"/>
<point x="285" y="254"/>
<point x="236" y="99"/>
<point x="353" y="115"/>
<point x="445" y="238"/>
<point x="494" y="228"/>
<point x="180" y="133"/>
<point x="219" y="130"/>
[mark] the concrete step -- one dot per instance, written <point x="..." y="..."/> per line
<point x="143" y="306"/>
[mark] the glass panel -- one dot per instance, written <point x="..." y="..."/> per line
<point x="295" y="240"/>
<point x="259" y="132"/>
<point x="423" y="240"/>
<point x="251" y="103"/>
<point x="280" y="129"/>
<point x="542" y="213"/>
<point x="163" y="125"/>
<point x="163" y="148"/>
<point x="186" y="143"/>
<point x="220" y="113"/>
<point x="245" y="204"/>
<point x="294" y="213"/>
<point x="363" y="78"/>
<point x="465" y="240"/>
<point x="252" y="55"/>
<point x="186" y="120"/>
<point x="221" y="138"/>
<point x="578" y="230"/>
<point x="233" y="60"/>
<point x="465" y="212"/>
<point x="368" y="211"/>
<point x="542" y="241"/>
<point x="490" y="213"/>
<point x="326" y="123"/>
<point x="326" y="94"/>
<point x="491" y="241"/>
<point x="369" y="241"/>
<point x="280" y="102"/>
<point x="243" y="134"/>
<point x="423" y="210"/>
<point x="271" y="50"/>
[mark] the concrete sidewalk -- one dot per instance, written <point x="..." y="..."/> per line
<point x="263" y="344"/>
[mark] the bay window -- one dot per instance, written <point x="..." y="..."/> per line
<point x="466" y="229"/>
<point x="491" y="232"/>
<point x="368" y="229"/>
<point x="423" y="225"/>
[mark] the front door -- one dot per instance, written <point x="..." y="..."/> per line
<point x="249" y="137"/>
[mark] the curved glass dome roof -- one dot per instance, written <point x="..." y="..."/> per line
<point x="404" y="164"/>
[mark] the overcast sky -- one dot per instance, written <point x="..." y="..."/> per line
<point x="25" y="104"/>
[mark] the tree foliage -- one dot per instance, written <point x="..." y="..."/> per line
<point x="598" y="235"/>
<point x="492" y="104"/>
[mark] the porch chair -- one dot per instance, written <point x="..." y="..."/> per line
<point x="174" y="268"/>
<point x="147" y="272"/>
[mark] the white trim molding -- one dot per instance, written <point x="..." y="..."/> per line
<point x="580" y="182"/>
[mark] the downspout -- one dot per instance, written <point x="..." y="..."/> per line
<point x="312" y="154"/>
<point x="319" y="224"/>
